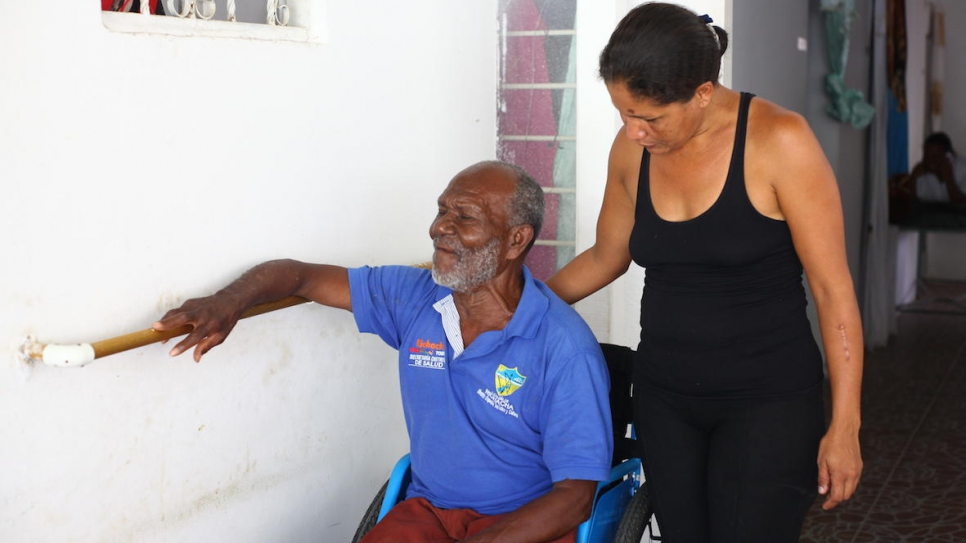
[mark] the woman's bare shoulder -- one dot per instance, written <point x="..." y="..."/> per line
<point x="624" y="164"/>
<point x="773" y="126"/>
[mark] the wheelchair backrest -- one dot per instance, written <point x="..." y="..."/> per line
<point x="620" y="363"/>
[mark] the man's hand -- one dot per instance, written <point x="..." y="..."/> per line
<point x="546" y="518"/>
<point x="212" y="319"/>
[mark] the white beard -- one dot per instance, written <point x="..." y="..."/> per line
<point x="473" y="267"/>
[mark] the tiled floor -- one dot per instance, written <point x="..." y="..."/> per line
<point x="913" y="438"/>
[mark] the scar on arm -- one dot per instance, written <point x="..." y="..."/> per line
<point x="845" y="341"/>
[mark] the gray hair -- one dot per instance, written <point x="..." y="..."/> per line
<point x="527" y="203"/>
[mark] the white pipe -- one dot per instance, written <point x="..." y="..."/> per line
<point x="68" y="356"/>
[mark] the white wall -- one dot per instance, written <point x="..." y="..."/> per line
<point x="597" y="123"/>
<point x="139" y="170"/>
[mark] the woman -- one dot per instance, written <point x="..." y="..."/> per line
<point x="723" y="199"/>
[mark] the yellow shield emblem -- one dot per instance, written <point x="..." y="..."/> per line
<point x="508" y="380"/>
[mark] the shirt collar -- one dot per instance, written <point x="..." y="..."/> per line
<point x="525" y="321"/>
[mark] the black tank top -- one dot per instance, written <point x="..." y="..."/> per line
<point x="723" y="309"/>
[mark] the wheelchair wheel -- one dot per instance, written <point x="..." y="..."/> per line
<point x="635" y="519"/>
<point x="372" y="514"/>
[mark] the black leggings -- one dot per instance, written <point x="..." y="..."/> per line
<point x="730" y="470"/>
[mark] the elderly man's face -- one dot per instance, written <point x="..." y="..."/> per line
<point x="470" y="228"/>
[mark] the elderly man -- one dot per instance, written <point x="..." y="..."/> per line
<point x="504" y="388"/>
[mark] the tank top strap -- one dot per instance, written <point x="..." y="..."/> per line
<point x="737" y="166"/>
<point x="643" y="185"/>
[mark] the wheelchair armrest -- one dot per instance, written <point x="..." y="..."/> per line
<point x="618" y="472"/>
<point x="399" y="480"/>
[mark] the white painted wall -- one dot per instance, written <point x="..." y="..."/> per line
<point x="139" y="170"/>
<point x="597" y="123"/>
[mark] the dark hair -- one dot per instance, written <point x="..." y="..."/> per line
<point x="941" y="139"/>
<point x="663" y="52"/>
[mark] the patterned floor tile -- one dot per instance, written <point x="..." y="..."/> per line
<point x="913" y="440"/>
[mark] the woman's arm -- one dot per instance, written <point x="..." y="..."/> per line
<point x="808" y="199"/>
<point x="609" y="257"/>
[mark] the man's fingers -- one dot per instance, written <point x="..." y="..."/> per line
<point x="199" y="352"/>
<point x="195" y="337"/>
<point x="205" y="344"/>
<point x="210" y="319"/>
<point x="209" y="343"/>
<point x="171" y="320"/>
<point x="183" y="345"/>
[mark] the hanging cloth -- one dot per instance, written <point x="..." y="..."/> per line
<point x="898" y="125"/>
<point x="896" y="50"/>
<point x="937" y="67"/>
<point x="848" y="105"/>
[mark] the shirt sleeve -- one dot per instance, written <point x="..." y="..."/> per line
<point x="578" y="440"/>
<point x="386" y="296"/>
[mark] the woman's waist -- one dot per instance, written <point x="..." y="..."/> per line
<point x="723" y="319"/>
<point x="775" y="366"/>
<point x="734" y="285"/>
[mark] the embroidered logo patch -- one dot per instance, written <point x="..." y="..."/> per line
<point x="508" y="380"/>
<point x="428" y="354"/>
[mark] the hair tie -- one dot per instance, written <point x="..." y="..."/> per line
<point x="707" y="20"/>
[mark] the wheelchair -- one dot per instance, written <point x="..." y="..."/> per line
<point x="621" y="510"/>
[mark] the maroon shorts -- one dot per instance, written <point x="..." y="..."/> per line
<point x="417" y="521"/>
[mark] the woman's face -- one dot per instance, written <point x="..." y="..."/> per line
<point x="659" y="128"/>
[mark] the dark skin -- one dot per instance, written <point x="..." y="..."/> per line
<point x="472" y="213"/>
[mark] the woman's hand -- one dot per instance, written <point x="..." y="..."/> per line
<point x="839" y="466"/>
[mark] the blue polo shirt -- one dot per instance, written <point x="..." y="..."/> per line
<point x="494" y="426"/>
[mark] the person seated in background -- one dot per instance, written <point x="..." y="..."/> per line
<point x="504" y="387"/>
<point x="941" y="175"/>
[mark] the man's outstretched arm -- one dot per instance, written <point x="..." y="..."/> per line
<point x="213" y="317"/>
<point x="546" y="518"/>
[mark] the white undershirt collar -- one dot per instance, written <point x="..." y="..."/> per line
<point x="451" y="323"/>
